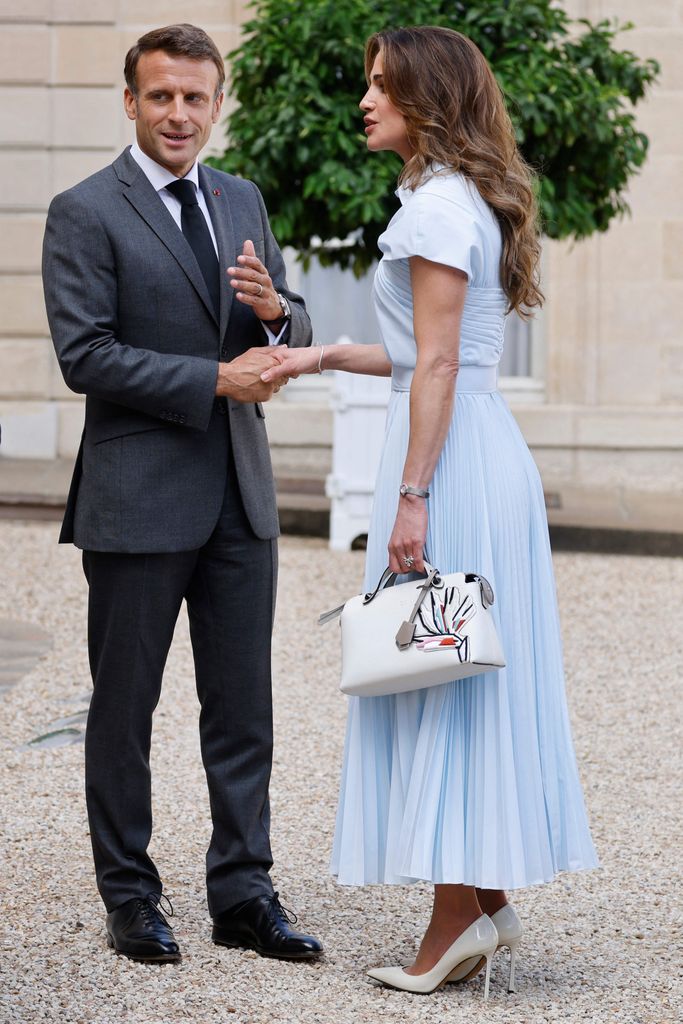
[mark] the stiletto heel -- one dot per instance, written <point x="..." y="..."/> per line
<point x="489" y="958"/>
<point x="513" y="945"/>
<point x="509" y="928"/>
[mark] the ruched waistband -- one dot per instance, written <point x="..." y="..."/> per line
<point x="473" y="379"/>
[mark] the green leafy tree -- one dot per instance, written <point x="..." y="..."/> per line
<point x="297" y="131"/>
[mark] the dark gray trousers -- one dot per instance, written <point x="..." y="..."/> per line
<point x="134" y="601"/>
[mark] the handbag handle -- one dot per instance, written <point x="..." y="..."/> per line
<point x="388" y="578"/>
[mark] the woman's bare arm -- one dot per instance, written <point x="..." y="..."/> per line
<point x="438" y="299"/>
<point x="369" y="359"/>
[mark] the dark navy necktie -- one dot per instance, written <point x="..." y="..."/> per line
<point x="196" y="231"/>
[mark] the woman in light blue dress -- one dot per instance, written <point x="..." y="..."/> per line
<point x="471" y="785"/>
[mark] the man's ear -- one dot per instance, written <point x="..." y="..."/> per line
<point x="217" y="105"/>
<point x="130" y="104"/>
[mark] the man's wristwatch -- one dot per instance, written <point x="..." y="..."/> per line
<point x="286" y="313"/>
<point x="419" y="492"/>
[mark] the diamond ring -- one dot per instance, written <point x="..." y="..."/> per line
<point x="408" y="561"/>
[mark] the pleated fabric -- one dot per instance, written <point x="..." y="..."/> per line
<point x="474" y="781"/>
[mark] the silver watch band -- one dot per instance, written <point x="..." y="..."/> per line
<point x="419" y="492"/>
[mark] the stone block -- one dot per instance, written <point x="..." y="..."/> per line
<point x="21" y="299"/>
<point x="658" y="189"/>
<point x="29" y="430"/>
<point x="21" y="237"/>
<point x="652" y="14"/>
<point x="288" y="426"/>
<point x="637" y="428"/>
<point x="652" y="472"/>
<point x="83" y="11"/>
<point x="24" y="368"/>
<point x="673" y="249"/>
<point x="73" y="165"/>
<point x="70" y="428"/>
<point x="571" y="319"/>
<point x="25" y="10"/>
<point x="636" y="320"/>
<point x="86" y="55"/>
<point x="85" y="118"/>
<point x="207" y="13"/>
<point x="671" y="376"/>
<point x="556" y="465"/>
<point x="25" y="178"/>
<point x="545" y="425"/>
<point x="631" y="251"/>
<point x="665" y="46"/>
<point x="24" y="115"/>
<point x="24" y="53"/>
<point x="658" y="117"/>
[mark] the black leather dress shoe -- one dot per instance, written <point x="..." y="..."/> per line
<point x="264" y="925"/>
<point x="138" y="929"/>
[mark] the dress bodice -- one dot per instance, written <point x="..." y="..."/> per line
<point x="444" y="220"/>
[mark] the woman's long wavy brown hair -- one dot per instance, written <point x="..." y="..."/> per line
<point x="455" y="116"/>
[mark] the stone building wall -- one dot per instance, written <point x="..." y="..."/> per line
<point x="605" y="420"/>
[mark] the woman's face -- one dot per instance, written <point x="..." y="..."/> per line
<point x="385" y="127"/>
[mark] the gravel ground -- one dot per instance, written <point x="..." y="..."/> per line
<point x="600" y="946"/>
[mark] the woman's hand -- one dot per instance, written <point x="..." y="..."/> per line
<point x="409" y="535"/>
<point x="294" y="361"/>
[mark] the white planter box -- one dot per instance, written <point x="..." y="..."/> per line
<point x="359" y="405"/>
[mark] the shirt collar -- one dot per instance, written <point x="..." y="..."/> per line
<point x="159" y="176"/>
<point x="404" y="194"/>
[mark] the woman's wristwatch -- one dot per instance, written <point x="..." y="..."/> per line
<point x="286" y="313"/>
<point x="419" y="492"/>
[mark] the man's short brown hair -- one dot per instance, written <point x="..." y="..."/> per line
<point x="179" y="41"/>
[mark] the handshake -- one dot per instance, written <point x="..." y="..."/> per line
<point x="241" y="378"/>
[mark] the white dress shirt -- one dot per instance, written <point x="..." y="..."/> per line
<point x="159" y="178"/>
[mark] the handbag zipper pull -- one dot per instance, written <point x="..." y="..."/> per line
<point x="404" y="637"/>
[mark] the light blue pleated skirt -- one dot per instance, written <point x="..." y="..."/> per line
<point x="474" y="781"/>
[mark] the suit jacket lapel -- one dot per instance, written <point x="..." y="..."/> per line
<point x="219" y="209"/>
<point x="143" y="197"/>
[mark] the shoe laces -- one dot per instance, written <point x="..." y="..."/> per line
<point x="287" y="915"/>
<point x="150" y="908"/>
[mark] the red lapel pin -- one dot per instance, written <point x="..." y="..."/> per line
<point x="216" y="191"/>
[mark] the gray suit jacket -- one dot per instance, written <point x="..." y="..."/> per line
<point x="134" y="330"/>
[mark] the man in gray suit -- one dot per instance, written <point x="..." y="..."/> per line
<point x="166" y="297"/>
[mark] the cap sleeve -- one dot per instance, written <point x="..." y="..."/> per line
<point x="438" y="229"/>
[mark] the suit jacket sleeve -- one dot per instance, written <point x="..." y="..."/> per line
<point x="299" y="333"/>
<point x="80" y="284"/>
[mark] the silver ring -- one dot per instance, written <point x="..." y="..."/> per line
<point x="259" y="293"/>
<point x="408" y="561"/>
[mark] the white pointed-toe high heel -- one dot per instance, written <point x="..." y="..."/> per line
<point x="509" y="928"/>
<point x="476" y="945"/>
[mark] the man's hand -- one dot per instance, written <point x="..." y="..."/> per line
<point x="241" y="377"/>
<point x="253" y="285"/>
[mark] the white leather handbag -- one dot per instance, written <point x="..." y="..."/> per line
<point x="417" y="634"/>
